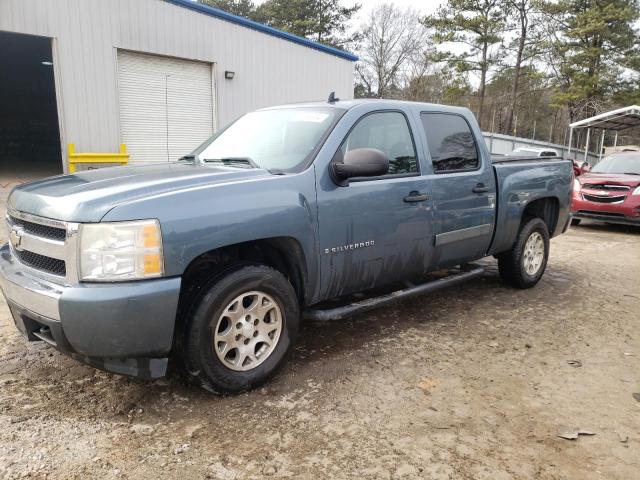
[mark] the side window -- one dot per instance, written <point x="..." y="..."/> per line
<point x="388" y="132"/>
<point x="451" y="143"/>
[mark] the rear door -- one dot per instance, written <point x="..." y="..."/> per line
<point x="463" y="186"/>
<point x="375" y="230"/>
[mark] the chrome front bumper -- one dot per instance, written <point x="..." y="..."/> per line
<point x="39" y="295"/>
<point x="123" y="327"/>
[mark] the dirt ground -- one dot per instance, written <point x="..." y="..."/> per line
<point x="469" y="383"/>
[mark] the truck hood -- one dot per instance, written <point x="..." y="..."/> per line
<point x="88" y="196"/>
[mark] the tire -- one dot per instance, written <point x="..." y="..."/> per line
<point x="575" y="221"/>
<point x="514" y="265"/>
<point x="237" y="316"/>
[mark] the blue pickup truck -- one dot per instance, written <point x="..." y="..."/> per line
<point x="285" y="214"/>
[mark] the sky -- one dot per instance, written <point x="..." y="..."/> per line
<point x="423" y="6"/>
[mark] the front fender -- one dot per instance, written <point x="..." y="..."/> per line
<point x="198" y="220"/>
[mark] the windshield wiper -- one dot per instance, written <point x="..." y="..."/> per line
<point x="233" y="161"/>
<point x="631" y="173"/>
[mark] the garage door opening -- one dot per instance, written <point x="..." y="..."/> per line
<point x="29" y="131"/>
<point x="166" y="106"/>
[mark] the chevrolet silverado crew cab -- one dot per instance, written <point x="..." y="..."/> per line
<point x="287" y="213"/>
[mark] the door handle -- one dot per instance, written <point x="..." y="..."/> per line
<point x="416" y="197"/>
<point x="480" y="188"/>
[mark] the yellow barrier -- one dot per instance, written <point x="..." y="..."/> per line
<point x="75" y="158"/>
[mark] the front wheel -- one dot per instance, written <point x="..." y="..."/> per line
<point x="241" y="330"/>
<point x="575" y="221"/>
<point x="525" y="263"/>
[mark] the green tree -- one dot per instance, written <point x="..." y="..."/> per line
<point x="444" y="86"/>
<point x="594" y="50"/>
<point x="523" y="19"/>
<point x="325" y="21"/>
<point x="243" y="8"/>
<point x="532" y="105"/>
<point x="477" y="24"/>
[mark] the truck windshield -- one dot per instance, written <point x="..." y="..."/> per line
<point x="619" y="164"/>
<point x="281" y="140"/>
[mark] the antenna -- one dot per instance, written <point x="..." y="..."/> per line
<point x="332" y="98"/>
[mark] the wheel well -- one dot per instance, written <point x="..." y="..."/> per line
<point x="281" y="253"/>
<point x="545" y="209"/>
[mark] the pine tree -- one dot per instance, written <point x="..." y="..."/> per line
<point x="243" y="8"/>
<point x="594" y="49"/>
<point x="324" y="21"/>
<point x="477" y="24"/>
<point x="523" y="20"/>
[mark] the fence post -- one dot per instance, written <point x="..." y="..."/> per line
<point x="586" y="145"/>
<point x="601" y="146"/>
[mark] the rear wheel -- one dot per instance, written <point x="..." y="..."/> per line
<point x="525" y="263"/>
<point x="240" y="330"/>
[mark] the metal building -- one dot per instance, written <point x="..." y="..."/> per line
<point x="159" y="76"/>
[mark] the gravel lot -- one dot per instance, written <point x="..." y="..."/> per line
<point x="469" y="383"/>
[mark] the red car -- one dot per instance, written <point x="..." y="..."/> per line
<point x="610" y="192"/>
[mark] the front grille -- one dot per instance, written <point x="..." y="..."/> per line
<point x="606" y="186"/>
<point x="40" y="262"/>
<point x="42" y="244"/>
<point x="603" y="198"/>
<point x="602" y="214"/>
<point x="40" y="230"/>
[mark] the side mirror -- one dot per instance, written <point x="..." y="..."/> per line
<point x="360" y="162"/>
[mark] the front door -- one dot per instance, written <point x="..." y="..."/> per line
<point x="464" y="190"/>
<point x="376" y="230"/>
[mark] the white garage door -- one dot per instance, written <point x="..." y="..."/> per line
<point x="166" y="106"/>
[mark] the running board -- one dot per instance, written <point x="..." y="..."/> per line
<point x="469" y="272"/>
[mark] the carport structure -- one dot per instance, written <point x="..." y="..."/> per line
<point x="616" y="120"/>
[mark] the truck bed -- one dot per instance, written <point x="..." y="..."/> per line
<point x="522" y="180"/>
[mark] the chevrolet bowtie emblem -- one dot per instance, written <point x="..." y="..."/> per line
<point x="15" y="237"/>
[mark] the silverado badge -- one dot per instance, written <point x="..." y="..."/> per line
<point x="350" y="246"/>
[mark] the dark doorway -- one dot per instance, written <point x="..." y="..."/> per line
<point x="29" y="131"/>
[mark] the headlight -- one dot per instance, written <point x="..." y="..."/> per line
<point x="636" y="191"/>
<point x="120" y="251"/>
<point x="576" y="185"/>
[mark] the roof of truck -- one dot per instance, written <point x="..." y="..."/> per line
<point x="380" y="102"/>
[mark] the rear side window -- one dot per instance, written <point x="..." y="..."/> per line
<point x="451" y="143"/>
<point x="389" y="132"/>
